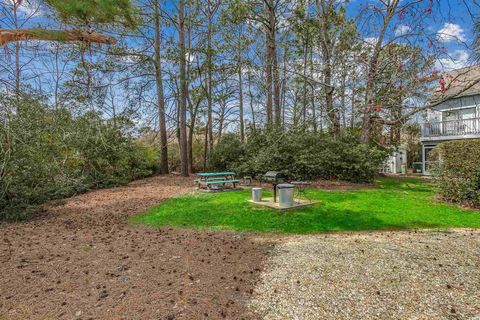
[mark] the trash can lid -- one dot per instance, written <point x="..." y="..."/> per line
<point x="285" y="186"/>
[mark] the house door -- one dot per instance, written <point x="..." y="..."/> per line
<point x="430" y="159"/>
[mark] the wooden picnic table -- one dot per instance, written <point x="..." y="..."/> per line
<point x="217" y="179"/>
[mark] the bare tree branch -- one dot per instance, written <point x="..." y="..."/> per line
<point x="7" y="36"/>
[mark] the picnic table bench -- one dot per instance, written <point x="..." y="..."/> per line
<point x="218" y="179"/>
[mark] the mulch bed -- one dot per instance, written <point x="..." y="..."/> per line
<point x="82" y="260"/>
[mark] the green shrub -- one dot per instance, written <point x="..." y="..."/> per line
<point x="458" y="172"/>
<point x="226" y="153"/>
<point x="49" y="154"/>
<point x="300" y="155"/>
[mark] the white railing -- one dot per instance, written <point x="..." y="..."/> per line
<point x="451" y="128"/>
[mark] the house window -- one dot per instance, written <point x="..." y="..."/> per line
<point x="459" y="114"/>
<point x="459" y="122"/>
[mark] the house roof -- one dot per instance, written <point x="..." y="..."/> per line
<point x="458" y="83"/>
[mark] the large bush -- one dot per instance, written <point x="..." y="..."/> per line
<point x="300" y="155"/>
<point x="458" y="172"/>
<point x="226" y="153"/>
<point x="47" y="154"/>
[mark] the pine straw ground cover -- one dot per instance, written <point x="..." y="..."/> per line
<point x="82" y="260"/>
<point x="392" y="203"/>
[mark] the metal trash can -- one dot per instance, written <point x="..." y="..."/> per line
<point x="256" y="194"/>
<point x="417" y="167"/>
<point x="285" y="191"/>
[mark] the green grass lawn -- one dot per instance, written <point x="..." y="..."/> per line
<point x="392" y="204"/>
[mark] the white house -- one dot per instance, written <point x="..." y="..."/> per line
<point x="458" y="114"/>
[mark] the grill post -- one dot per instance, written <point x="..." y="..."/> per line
<point x="275" y="178"/>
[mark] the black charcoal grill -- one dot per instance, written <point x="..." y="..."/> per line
<point x="274" y="177"/>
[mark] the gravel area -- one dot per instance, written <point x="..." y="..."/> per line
<point x="384" y="275"/>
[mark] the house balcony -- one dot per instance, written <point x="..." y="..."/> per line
<point x="451" y="129"/>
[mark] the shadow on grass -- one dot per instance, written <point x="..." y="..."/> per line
<point x="404" y="184"/>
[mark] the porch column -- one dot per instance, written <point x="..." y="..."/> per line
<point x="423" y="158"/>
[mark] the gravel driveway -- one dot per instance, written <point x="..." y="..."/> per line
<point x="389" y="275"/>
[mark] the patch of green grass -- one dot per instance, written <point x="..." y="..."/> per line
<point x="392" y="204"/>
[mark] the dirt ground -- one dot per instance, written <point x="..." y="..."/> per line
<point x="81" y="260"/>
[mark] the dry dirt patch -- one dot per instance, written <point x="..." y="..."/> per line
<point x="391" y="275"/>
<point x="82" y="260"/>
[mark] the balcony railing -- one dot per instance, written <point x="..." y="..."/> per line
<point x="451" y="128"/>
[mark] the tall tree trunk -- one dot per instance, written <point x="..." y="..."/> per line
<point x="221" y="121"/>
<point x="284" y="83"/>
<point x="57" y="79"/>
<point x="16" y="4"/>
<point x="296" y="116"/>
<point x="305" y="80"/>
<point x="321" y="119"/>
<point x="353" y="97"/>
<point x="325" y="9"/>
<point x="369" y="107"/>
<point x="250" y="94"/>
<point x="332" y="114"/>
<point x="160" y="94"/>
<point x="274" y="59"/>
<point x="191" y="109"/>
<point x="268" y="73"/>
<point x="396" y="129"/>
<point x="240" y="92"/>
<point x="190" y="144"/>
<point x="343" y="84"/>
<point x="312" y="95"/>
<point x="183" y="90"/>
<point x="276" y="89"/>
<point x="205" y="147"/>
<point x="209" y="80"/>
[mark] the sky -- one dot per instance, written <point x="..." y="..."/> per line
<point x="450" y="22"/>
